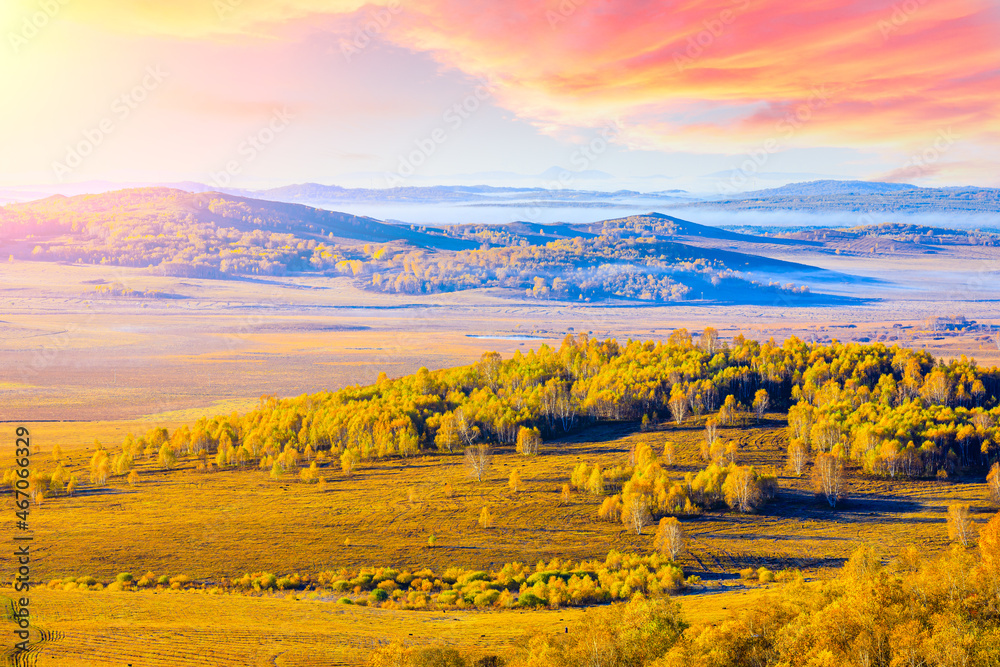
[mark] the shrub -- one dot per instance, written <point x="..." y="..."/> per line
<point x="345" y="601"/>
<point x="787" y="575"/>
<point x="764" y="575"/>
<point x="747" y="574"/>
<point x="611" y="509"/>
<point x="124" y="578"/>
<point x="514" y="483"/>
<point x="378" y="595"/>
<point x="438" y="657"/>
<point x="529" y="599"/>
<point x="486" y="598"/>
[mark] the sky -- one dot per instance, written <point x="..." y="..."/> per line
<point x="710" y="96"/>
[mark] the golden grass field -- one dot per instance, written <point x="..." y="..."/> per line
<point x="223" y="524"/>
<point x="162" y="629"/>
<point x="227" y="523"/>
<point x="74" y="368"/>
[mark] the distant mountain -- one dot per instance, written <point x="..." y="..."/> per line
<point x="860" y="197"/>
<point x="316" y="194"/>
<point x="831" y="188"/>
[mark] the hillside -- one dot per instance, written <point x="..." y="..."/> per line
<point x="205" y="235"/>
<point x="215" y="235"/>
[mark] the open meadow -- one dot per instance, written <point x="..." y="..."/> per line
<point x="81" y="369"/>
<point x="220" y="525"/>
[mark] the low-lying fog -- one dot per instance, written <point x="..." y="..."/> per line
<point x="441" y="213"/>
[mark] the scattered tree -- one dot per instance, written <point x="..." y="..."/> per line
<point x="595" y="483"/>
<point x="478" y="460"/>
<point x="166" y="457"/>
<point x="668" y="452"/>
<point x="635" y="512"/>
<point x="485" y="518"/>
<point x="959" y="524"/>
<point x="528" y="441"/>
<point x="828" y="477"/>
<point x="761" y="401"/>
<point x="711" y="438"/>
<point x="741" y="490"/>
<point x="514" y="483"/>
<point x="348" y="461"/>
<point x="798" y="456"/>
<point x="611" y="509"/>
<point x="669" y="539"/>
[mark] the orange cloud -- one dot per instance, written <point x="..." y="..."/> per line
<point x="696" y="75"/>
<point x="705" y="75"/>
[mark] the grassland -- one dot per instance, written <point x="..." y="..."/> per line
<point x="227" y="523"/>
<point x="211" y="526"/>
<point x="67" y="355"/>
<point x="196" y="629"/>
<point x="99" y="368"/>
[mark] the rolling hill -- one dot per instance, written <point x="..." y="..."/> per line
<point x="648" y="258"/>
